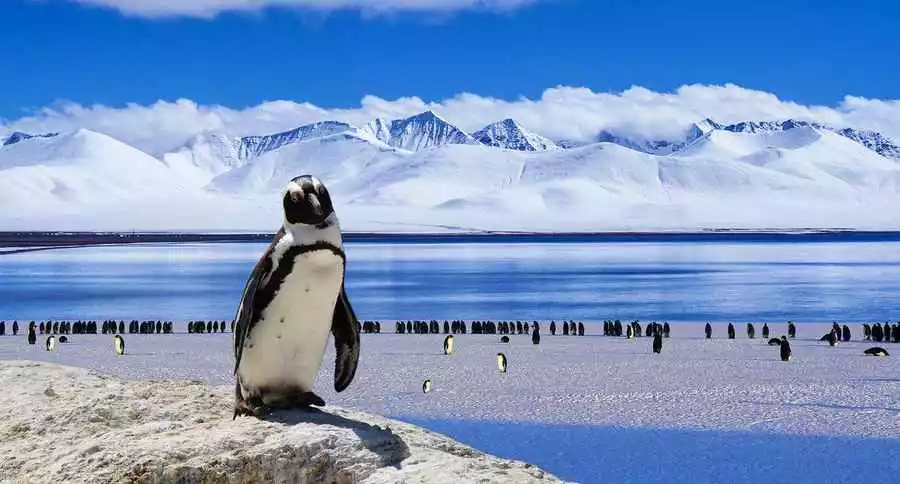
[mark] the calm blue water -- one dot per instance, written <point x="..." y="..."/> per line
<point x="720" y="280"/>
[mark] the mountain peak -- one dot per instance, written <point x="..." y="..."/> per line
<point x="17" y="136"/>
<point x="511" y="135"/>
<point x="420" y="131"/>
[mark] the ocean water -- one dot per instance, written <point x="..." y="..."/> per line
<point x="722" y="280"/>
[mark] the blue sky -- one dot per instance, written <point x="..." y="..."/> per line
<point x="812" y="52"/>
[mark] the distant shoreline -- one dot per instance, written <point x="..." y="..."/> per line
<point x="30" y="241"/>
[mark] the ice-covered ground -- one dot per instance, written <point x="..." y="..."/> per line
<point x="597" y="408"/>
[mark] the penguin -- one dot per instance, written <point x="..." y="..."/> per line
<point x="657" y="343"/>
<point x="580" y="328"/>
<point x="504" y="339"/>
<point x="15" y="328"/>
<point x="876" y="351"/>
<point x="730" y="331"/>
<point x="63" y="339"/>
<point x="501" y="362"/>
<point x="630" y="332"/>
<point x="785" y="349"/>
<point x="708" y="331"/>
<point x="774" y="342"/>
<point x="845" y="333"/>
<point x="792" y="330"/>
<point x="119" y="343"/>
<point x="32" y="338"/>
<point x="552" y="328"/>
<point x="751" y="331"/>
<point x="765" y="331"/>
<point x="50" y="343"/>
<point x="448" y="345"/>
<point x="426" y="386"/>
<point x="292" y="299"/>
<point x="535" y="337"/>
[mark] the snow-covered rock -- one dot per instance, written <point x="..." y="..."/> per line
<point x="66" y="424"/>
<point x="511" y="135"/>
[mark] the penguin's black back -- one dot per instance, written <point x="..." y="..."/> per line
<point x="657" y="343"/>
<point x="785" y="350"/>
<point x="876" y="351"/>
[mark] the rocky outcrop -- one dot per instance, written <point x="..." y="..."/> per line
<point x="65" y="424"/>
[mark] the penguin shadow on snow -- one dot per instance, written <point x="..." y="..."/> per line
<point x="371" y="436"/>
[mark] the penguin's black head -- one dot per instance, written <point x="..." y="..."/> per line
<point x="306" y="201"/>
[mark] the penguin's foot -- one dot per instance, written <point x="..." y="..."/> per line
<point x="251" y="407"/>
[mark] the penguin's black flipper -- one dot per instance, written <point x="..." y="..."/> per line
<point x="246" y="314"/>
<point x="346" y="341"/>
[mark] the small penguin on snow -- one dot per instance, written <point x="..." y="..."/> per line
<point x="293" y="298"/>
<point x="63" y="339"/>
<point x="504" y="339"/>
<point x="775" y="342"/>
<point x="426" y="386"/>
<point x="785" y="349"/>
<point x="501" y="362"/>
<point x="50" y="343"/>
<point x="876" y="351"/>
<point x="448" y="345"/>
<point x="708" y="331"/>
<point x="32" y="338"/>
<point x="119" y="344"/>
<point x="535" y="337"/>
<point x="657" y="343"/>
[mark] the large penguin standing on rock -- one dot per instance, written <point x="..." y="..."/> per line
<point x="293" y="297"/>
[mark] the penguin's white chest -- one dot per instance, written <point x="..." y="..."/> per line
<point x="286" y="346"/>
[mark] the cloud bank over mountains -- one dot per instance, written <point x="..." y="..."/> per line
<point x="560" y="113"/>
<point x="211" y="8"/>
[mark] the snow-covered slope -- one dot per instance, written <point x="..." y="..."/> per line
<point x="424" y="172"/>
<point x="511" y="135"/>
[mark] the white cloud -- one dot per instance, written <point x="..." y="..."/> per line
<point x="210" y="8"/>
<point x="560" y="113"/>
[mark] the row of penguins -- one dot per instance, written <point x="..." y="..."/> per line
<point x="838" y="333"/>
<point x="50" y="342"/>
<point x="477" y="327"/>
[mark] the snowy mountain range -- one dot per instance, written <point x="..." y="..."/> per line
<point x="423" y="173"/>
